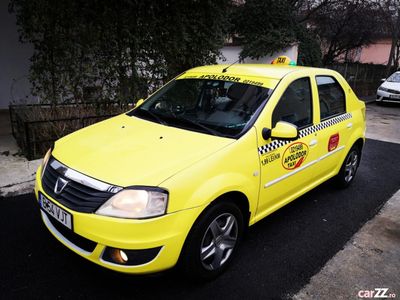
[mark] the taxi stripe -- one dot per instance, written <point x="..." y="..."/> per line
<point x="275" y="144"/>
<point x="276" y="180"/>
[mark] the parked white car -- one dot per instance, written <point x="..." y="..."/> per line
<point x="389" y="91"/>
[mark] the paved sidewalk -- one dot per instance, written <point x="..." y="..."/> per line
<point x="383" y="123"/>
<point x="16" y="172"/>
<point x="368" y="99"/>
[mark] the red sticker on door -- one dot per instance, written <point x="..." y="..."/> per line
<point x="294" y="155"/>
<point x="333" y="142"/>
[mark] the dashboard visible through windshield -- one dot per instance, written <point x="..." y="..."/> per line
<point x="216" y="107"/>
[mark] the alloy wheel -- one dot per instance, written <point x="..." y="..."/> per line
<point x="351" y="166"/>
<point x="219" y="241"/>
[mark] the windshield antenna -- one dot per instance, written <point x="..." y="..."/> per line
<point x="226" y="69"/>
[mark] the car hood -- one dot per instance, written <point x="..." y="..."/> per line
<point x="127" y="151"/>
<point x="391" y="85"/>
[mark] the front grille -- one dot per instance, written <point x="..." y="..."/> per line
<point x="390" y="99"/>
<point x="75" y="196"/>
<point x="393" y="91"/>
<point x="71" y="236"/>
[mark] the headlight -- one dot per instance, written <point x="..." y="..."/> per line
<point x="46" y="160"/>
<point x="136" y="203"/>
<point x="383" y="89"/>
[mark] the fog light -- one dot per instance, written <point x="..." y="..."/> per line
<point x="123" y="255"/>
<point x="118" y="256"/>
<point x="130" y="257"/>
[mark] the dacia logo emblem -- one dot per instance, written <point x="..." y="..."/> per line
<point x="61" y="183"/>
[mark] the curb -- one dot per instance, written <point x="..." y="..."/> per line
<point x="368" y="99"/>
<point x="17" y="189"/>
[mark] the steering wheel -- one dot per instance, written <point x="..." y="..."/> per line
<point x="241" y="111"/>
<point x="166" y="106"/>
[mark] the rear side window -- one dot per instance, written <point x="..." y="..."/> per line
<point x="295" y="104"/>
<point x="331" y="97"/>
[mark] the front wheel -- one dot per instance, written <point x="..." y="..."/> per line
<point x="213" y="241"/>
<point x="349" y="168"/>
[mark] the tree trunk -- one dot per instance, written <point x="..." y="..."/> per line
<point x="395" y="38"/>
<point x="391" y="56"/>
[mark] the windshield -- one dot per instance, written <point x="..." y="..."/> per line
<point x="395" y="77"/>
<point x="217" y="107"/>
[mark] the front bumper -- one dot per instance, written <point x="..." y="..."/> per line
<point x="166" y="233"/>
<point x="383" y="96"/>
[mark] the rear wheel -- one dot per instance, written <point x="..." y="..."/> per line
<point x="213" y="241"/>
<point x="349" y="168"/>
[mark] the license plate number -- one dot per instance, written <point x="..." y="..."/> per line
<point x="395" y="96"/>
<point x="55" y="211"/>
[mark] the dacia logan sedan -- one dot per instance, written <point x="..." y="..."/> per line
<point x="178" y="179"/>
<point x="389" y="90"/>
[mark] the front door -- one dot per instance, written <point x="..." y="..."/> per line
<point x="287" y="166"/>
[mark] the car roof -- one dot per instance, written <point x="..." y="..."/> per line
<point x="262" y="70"/>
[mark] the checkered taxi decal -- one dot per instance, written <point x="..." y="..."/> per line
<point x="304" y="132"/>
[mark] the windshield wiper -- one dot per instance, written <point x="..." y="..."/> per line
<point x="151" y="114"/>
<point x="198" y="125"/>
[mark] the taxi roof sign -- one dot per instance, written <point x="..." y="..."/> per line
<point x="283" y="60"/>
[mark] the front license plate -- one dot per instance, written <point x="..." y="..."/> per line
<point x="55" y="211"/>
<point x="395" y="96"/>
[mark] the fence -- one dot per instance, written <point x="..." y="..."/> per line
<point x="363" y="78"/>
<point x="35" y="127"/>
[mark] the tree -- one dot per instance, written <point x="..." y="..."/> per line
<point x="116" y="50"/>
<point x="306" y="9"/>
<point x="266" y="26"/>
<point x="390" y="12"/>
<point x="309" y="51"/>
<point x="191" y="32"/>
<point x="345" y="26"/>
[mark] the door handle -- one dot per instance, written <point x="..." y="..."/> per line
<point x="313" y="143"/>
<point x="349" y="125"/>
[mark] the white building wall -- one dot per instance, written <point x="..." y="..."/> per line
<point x="14" y="60"/>
<point x="231" y="55"/>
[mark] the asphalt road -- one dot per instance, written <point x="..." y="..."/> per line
<point x="278" y="257"/>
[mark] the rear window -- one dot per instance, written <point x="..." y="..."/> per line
<point x="332" y="100"/>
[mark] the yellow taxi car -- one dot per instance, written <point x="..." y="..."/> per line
<point x="178" y="179"/>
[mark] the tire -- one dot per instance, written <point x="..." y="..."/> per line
<point x="349" y="168"/>
<point x="212" y="242"/>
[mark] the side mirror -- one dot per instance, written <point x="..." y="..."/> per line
<point x="139" y="102"/>
<point x="285" y="131"/>
<point x="383" y="80"/>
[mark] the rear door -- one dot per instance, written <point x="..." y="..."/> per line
<point x="335" y="124"/>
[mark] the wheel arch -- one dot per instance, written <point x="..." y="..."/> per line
<point x="359" y="143"/>
<point x="240" y="200"/>
<point x="237" y="198"/>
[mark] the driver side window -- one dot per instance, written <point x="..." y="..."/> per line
<point x="295" y="105"/>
